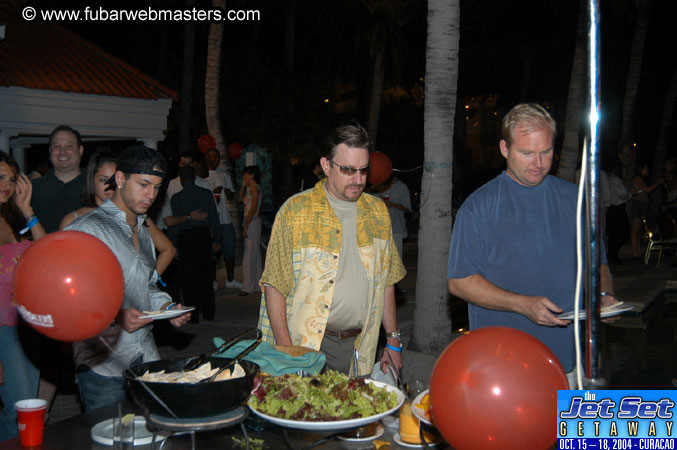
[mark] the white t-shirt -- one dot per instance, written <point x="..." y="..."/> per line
<point x="216" y="178"/>
<point x="398" y="193"/>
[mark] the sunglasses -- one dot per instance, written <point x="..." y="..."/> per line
<point x="347" y="170"/>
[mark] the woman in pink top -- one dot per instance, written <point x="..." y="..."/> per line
<point x="18" y="225"/>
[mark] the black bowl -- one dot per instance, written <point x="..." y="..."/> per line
<point x="190" y="400"/>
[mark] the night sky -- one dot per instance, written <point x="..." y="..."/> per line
<point x="497" y="37"/>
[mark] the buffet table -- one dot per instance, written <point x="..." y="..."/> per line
<point x="75" y="434"/>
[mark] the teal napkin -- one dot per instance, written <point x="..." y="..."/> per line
<point x="273" y="361"/>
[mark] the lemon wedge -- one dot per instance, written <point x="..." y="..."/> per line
<point x="127" y="419"/>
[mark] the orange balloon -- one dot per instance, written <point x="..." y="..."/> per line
<point x="381" y="167"/>
<point x="234" y="150"/>
<point x="68" y="286"/>
<point x="205" y="142"/>
<point x="496" y="388"/>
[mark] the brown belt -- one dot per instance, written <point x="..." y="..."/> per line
<point x="345" y="334"/>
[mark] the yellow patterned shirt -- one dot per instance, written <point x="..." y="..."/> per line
<point x="302" y="262"/>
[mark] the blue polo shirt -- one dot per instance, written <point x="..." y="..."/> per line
<point x="522" y="239"/>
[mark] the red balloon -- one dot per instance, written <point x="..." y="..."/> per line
<point x="381" y="167"/>
<point x="496" y="388"/>
<point x="234" y="150"/>
<point x="68" y="286"/>
<point x="205" y="142"/>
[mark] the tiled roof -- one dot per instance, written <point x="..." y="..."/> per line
<point x="47" y="56"/>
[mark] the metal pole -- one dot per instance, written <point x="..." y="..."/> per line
<point x="592" y="200"/>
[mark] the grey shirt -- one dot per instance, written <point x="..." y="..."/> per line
<point x="110" y="352"/>
<point x="349" y="304"/>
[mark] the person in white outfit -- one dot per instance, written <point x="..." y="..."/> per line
<point x="250" y="195"/>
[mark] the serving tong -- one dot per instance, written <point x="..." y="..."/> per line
<point x="242" y="354"/>
<point x="197" y="361"/>
<point x="391" y="367"/>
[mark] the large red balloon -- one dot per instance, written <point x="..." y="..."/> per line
<point x="205" y="142"/>
<point x="234" y="150"/>
<point x="68" y="286"/>
<point x="496" y="388"/>
<point x="381" y="167"/>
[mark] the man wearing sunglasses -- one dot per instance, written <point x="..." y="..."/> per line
<point x="331" y="265"/>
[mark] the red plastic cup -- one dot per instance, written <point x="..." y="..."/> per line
<point x="31" y="418"/>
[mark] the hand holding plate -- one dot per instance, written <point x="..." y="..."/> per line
<point x="129" y="319"/>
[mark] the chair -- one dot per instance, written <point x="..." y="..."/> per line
<point x="653" y="243"/>
<point x="666" y="238"/>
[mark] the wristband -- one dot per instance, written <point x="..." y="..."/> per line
<point x="395" y="349"/>
<point x="605" y="293"/>
<point x="162" y="283"/>
<point x="31" y="223"/>
<point x="171" y="305"/>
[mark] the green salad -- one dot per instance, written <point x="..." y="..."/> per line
<point x="327" y="397"/>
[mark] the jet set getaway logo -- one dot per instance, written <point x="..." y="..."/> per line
<point x="610" y="420"/>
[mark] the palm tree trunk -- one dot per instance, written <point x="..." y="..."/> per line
<point x="432" y="318"/>
<point x="212" y="116"/>
<point x="186" y="102"/>
<point x="631" y="87"/>
<point x="213" y="83"/>
<point x="664" y="129"/>
<point x="577" y="95"/>
<point x="378" y="75"/>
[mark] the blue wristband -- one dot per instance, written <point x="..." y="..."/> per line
<point x="31" y="223"/>
<point x="162" y="283"/>
<point x="170" y="306"/>
<point x="395" y="349"/>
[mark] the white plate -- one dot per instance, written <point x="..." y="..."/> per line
<point x="418" y="412"/>
<point x="604" y="314"/>
<point x="397" y="438"/>
<point x="335" y="425"/>
<point x="168" y="314"/>
<point x="102" y="432"/>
